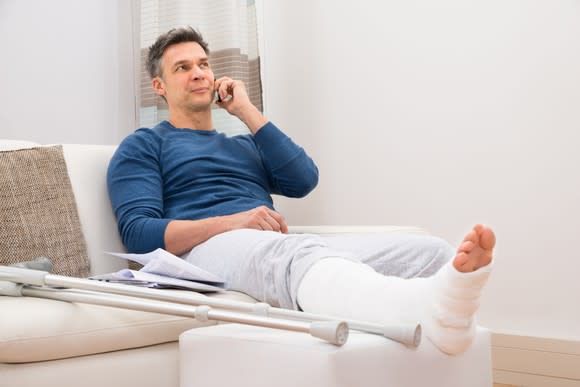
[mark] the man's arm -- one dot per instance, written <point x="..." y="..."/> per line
<point x="183" y="235"/>
<point x="291" y="171"/>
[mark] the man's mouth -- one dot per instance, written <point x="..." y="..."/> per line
<point x="200" y="90"/>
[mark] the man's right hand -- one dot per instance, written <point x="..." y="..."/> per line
<point x="183" y="235"/>
<point x="259" y="218"/>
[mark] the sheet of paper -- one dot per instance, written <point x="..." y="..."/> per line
<point x="140" y="278"/>
<point x="164" y="263"/>
<point x="162" y="269"/>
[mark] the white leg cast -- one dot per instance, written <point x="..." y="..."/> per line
<point x="444" y="304"/>
<point x="450" y="316"/>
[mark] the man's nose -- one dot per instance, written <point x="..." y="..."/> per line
<point x="197" y="72"/>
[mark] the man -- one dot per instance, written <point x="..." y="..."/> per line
<point x="199" y="194"/>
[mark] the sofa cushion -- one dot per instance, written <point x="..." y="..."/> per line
<point x="35" y="329"/>
<point x="39" y="214"/>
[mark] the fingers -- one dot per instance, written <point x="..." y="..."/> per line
<point x="225" y="88"/>
<point x="221" y="88"/>
<point x="232" y="95"/>
<point x="279" y="219"/>
<point x="266" y="219"/>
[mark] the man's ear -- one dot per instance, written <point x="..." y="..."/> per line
<point x="158" y="86"/>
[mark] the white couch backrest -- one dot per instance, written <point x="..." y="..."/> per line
<point x="87" y="168"/>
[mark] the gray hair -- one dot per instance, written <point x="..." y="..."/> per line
<point x="171" y="37"/>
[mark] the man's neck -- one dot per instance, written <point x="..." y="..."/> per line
<point x="192" y="120"/>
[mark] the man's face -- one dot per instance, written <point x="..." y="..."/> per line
<point x="187" y="80"/>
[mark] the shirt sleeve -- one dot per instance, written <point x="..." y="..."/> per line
<point x="136" y="192"/>
<point x="292" y="172"/>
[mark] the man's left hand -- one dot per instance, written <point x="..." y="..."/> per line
<point x="236" y="101"/>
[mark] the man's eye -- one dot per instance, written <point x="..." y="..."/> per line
<point x="181" y="68"/>
<point x="204" y="65"/>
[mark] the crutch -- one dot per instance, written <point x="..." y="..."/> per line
<point x="260" y="314"/>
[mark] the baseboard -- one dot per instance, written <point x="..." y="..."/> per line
<point x="535" y="361"/>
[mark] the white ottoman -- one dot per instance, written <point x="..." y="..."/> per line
<point x="241" y="355"/>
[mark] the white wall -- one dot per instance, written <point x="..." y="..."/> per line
<point x="67" y="71"/>
<point x="443" y="114"/>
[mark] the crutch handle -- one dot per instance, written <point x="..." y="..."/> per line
<point x="10" y="289"/>
<point x="22" y="276"/>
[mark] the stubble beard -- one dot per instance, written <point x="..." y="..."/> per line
<point x="197" y="106"/>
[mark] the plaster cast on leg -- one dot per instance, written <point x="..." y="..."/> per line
<point x="444" y="304"/>
<point x="343" y="288"/>
<point x="449" y="318"/>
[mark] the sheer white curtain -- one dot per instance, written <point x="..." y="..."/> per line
<point x="230" y="28"/>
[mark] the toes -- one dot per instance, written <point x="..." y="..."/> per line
<point x="466" y="247"/>
<point x="476" y="249"/>
<point x="484" y="236"/>
<point x="487" y="238"/>
<point x="472" y="236"/>
<point x="460" y="261"/>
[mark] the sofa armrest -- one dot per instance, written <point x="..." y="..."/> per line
<point x="87" y="169"/>
<point x="328" y="230"/>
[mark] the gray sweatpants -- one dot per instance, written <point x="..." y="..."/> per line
<point x="269" y="265"/>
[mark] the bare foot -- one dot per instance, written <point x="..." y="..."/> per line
<point x="476" y="250"/>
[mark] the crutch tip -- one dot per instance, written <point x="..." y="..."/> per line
<point x="408" y="334"/>
<point x="335" y="332"/>
<point x="418" y="333"/>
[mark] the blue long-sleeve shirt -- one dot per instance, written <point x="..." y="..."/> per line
<point x="161" y="174"/>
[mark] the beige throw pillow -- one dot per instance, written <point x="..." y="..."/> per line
<point x="38" y="213"/>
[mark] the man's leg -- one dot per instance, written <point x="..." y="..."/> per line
<point x="269" y="266"/>
<point x="263" y="264"/>
<point x="403" y="255"/>
<point x="445" y="303"/>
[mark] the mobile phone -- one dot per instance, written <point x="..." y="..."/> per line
<point x="218" y="99"/>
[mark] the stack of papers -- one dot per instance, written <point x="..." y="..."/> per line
<point x="163" y="270"/>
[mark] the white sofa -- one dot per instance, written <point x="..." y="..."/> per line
<point x="53" y="343"/>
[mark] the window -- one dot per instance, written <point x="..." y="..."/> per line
<point x="230" y="28"/>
